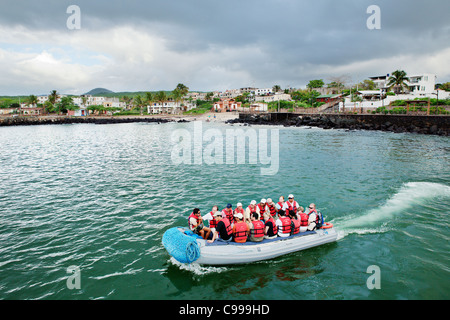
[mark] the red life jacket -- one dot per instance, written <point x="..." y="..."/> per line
<point x="213" y="222"/>
<point x="272" y="210"/>
<point x="285" y="225"/>
<point x="240" y="232"/>
<point x="296" y="226"/>
<point x="291" y="206"/>
<point x="229" y="214"/>
<point x="304" y="219"/>
<point x="275" y="229"/>
<point x="237" y="210"/>
<point x="281" y="205"/>
<point x="261" y="211"/>
<point x="252" y="209"/>
<point x="258" y="229"/>
<point x="191" y="226"/>
<point x="227" y="226"/>
<point x="317" y="215"/>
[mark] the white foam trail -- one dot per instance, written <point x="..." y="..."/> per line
<point x="409" y="195"/>
<point x="196" y="268"/>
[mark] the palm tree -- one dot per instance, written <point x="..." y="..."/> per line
<point x="398" y="81"/>
<point x="52" y="98"/>
<point x="138" y="102"/>
<point x="149" y="98"/>
<point x="161" y="97"/>
<point x="177" y="95"/>
<point x="183" y="89"/>
<point x="276" y="88"/>
<point x="32" y="100"/>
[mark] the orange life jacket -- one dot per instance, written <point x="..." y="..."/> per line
<point x="240" y="232"/>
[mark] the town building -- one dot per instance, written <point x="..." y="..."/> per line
<point x="225" y="105"/>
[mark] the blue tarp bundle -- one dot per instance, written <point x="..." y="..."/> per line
<point x="182" y="247"/>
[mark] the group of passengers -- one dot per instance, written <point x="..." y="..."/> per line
<point x="259" y="221"/>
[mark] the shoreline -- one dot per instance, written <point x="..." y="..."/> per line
<point x="416" y="124"/>
<point x="432" y="125"/>
<point x="57" y="119"/>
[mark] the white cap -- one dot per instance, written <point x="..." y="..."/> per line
<point x="263" y="200"/>
<point x="269" y="200"/>
<point x="253" y="202"/>
<point x="218" y="213"/>
<point x="239" y="215"/>
<point x="290" y="196"/>
<point x="239" y="204"/>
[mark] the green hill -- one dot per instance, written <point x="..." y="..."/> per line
<point x="99" y="91"/>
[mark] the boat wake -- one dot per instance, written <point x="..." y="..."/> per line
<point x="410" y="195"/>
<point x="196" y="268"/>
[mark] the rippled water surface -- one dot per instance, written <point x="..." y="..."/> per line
<point x="100" y="197"/>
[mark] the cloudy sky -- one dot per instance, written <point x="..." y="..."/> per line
<point x="149" y="45"/>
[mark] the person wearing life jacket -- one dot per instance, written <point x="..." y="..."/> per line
<point x="239" y="209"/>
<point x="295" y="223"/>
<point x="256" y="227"/>
<point x="196" y="224"/>
<point x="262" y="208"/>
<point x="270" y="227"/>
<point x="280" y="204"/>
<point x="313" y="217"/>
<point x="223" y="230"/>
<point x="290" y="205"/>
<point x="284" y="225"/>
<point x="210" y="217"/>
<point x="303" y="219"/>
<point x="240" y="229"/>
<point x="228" y="212"/>
<point x="250" y="209"/>
<point x="271" y="207"/>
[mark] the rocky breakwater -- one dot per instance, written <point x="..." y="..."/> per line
<point x="437" y="125"/>
<point x="21" y="121"/>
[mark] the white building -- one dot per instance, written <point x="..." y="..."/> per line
<point x="260" y="92"/>
<point x="422" y="84"/>
<point x="170" y="107"/>
<point x="419" y="85"/>
<point x="273" y="97"/>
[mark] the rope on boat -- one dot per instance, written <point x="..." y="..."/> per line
<point x="182" y="247"/>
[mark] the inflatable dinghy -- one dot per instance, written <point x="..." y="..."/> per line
<point x="187" y="247"/>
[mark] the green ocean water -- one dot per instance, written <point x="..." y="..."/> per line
<point x="99" y="197"/>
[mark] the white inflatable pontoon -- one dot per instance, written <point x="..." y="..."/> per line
<point x="187" y="247"/>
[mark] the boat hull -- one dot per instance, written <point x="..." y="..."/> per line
<point x="233" y="253"/>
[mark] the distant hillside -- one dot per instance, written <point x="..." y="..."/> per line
<point x="98" y="91"/>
